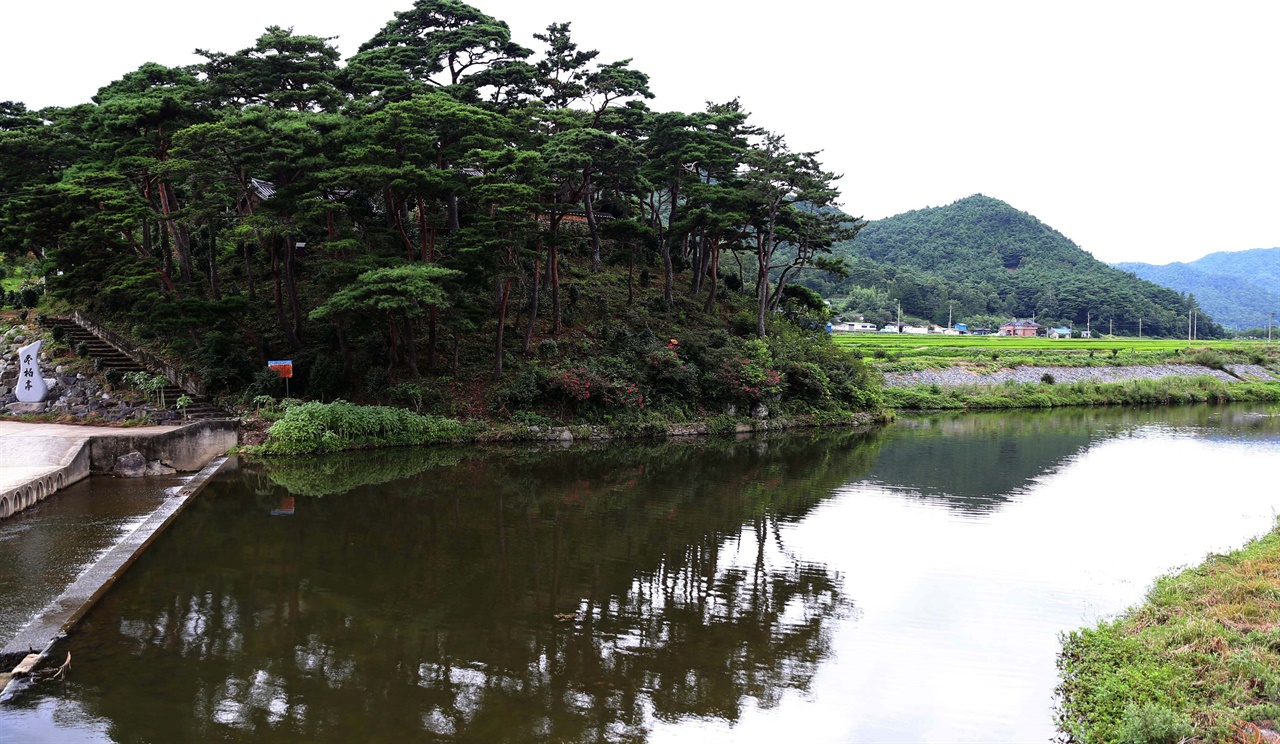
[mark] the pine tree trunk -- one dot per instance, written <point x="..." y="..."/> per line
<point x="215" y="291"/>
<point x="291" y="283"/>
<point x="714" y="249"/>
<point x="344" y="345"/>
<point x="592" y="227"/>
<point x="502" y="290"/>
<point x="527" y="342"/>
<point x="248" y="271"/>
<point x="181" y="238"/>
<point x="411" y="348"/>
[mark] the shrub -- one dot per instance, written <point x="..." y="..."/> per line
<point x="1208" y="358"/>
<point x="582" y="385"/>
<point x="113" y="376"/>
<point x="1153" y="724"/>
<point x="752" y="377"/>
<point x="529" y="418"/>
<point x="548" y="349"/>
<point x="522" y="390"/>
<point x="421" y="395"/>
<point x="744" y="323"/>
<point x="328" y="427"/>
<point x="58" y="333"/>
<point x="1047" y="378"/>
<point x="82" y="349"/>
<point x="262" y="403"/>
<point x="266" y="382"/>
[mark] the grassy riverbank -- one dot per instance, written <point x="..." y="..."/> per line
<point x="313" y="428"/>
<point x="1198" y="661"/>
<point x="1163" y="391"/>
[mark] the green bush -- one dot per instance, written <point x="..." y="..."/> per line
<point x="330" y="427"/>
<point x="521" y="391"/>
<point x="529" y="418"/>
<point x="1153" y="724"/>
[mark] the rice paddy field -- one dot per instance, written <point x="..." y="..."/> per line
<point x="892" y="353"/>
<point x="905" y="342"/>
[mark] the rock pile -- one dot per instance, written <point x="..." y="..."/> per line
<point x="70" y="393"/>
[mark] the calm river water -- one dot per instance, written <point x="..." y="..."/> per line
<point x="907" y="584"/>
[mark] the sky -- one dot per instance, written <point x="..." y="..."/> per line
<point x="1143" y="131"/>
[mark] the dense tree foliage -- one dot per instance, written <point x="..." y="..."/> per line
<point x="1240" y="289"/>
<point x="442" y="186"/>
<point x="984" y="261"/>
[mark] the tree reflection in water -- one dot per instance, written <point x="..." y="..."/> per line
<point x="512" y="595"/>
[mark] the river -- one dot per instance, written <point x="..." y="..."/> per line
<point x="906" y="584"/>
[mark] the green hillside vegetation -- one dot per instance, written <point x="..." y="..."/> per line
<point x="1259" y="265"/>
<point x="447" y="220"/>
<point x="1238" y="289"/>
<point x="988" y="262"/>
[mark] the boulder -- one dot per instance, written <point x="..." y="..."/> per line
<point x="132" y="465"/>
<point x="155" y="467"/>
<point x="759" y="411"/>
<point x="21" y="407"/>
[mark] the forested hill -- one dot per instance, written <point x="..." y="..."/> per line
<point x="986" y="261"/>
<point x="1238" y="288"/>
<point x="446" y="219"/>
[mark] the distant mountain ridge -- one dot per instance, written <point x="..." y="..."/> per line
<point x="1238" y="288"/>
<point x="981" y="260"/>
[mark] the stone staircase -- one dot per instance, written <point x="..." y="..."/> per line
<point x="112" y="357"/>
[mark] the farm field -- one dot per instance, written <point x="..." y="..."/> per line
<point x="904" y="343"/>
<point x="893" y="354"/>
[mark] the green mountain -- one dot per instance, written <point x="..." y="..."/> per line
<point x="985" y="261"/>
<point x="1239" y="288"/>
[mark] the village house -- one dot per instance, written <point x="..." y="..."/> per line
<point x="1059" y="333"/>
<point x="1020" y="328"/>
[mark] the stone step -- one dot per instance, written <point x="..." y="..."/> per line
<point x="108" y="356"/>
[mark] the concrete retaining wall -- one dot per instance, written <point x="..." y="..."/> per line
<point x="38" y="459"/>
<point x="186" y="449"/>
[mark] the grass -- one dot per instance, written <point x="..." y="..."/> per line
<point x="893" y="341"/>
<point x="986" y="354"/>
<point x="1163" y="391"/>
<point x="1199" y="660"/>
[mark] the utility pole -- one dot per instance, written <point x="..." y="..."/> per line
<point x="1270" y="315"/>
<point x="949" y="304"/>
<point x="1188" y="325"/>
<point x="1139" y="327"/>
<point x="1195" y="326"/>
<point x="1111" y="327"/>
<point x="1088" y="323"/>
<point x="899" y="316"/>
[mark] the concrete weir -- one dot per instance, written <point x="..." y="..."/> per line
<point x="52" y="623"/>
<point x="38" y="459"/>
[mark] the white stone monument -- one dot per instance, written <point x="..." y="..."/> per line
<point x="30" y="387"/>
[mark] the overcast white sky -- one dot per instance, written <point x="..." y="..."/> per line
<point x="1144" y="131"/>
